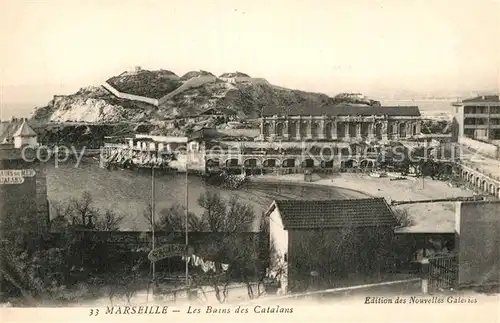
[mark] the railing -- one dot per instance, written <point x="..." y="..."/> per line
<point x="443" y="272"/>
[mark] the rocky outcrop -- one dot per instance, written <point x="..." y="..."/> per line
<point x="197" y="95"/>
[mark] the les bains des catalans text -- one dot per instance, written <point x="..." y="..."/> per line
<point x="259" y="309"/>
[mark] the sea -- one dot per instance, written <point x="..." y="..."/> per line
<point x="427" y="107"/>
<point x="129" y="193"/>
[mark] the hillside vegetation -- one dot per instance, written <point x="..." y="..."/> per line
<point x="152" y="84"/>
<point x="195" y="93"/>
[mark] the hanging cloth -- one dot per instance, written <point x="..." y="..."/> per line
<point x="210" y="265"/>
<point x="196" y="260"/>
<point x="204" y="266"/>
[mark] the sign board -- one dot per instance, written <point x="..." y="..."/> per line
<point x="9" y="180"/>
<point x="167" y="251"/>
<point x="17" y="173"/>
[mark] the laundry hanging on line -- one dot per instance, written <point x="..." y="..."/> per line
<point x="206" y="265"/>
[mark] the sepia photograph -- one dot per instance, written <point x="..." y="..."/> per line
<point x="250" y="160"/>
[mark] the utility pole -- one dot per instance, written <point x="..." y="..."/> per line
<point x="186" y="224"/>
<point x="153" y="216"/>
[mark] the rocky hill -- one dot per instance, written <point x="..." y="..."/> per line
<point x="174" y="105"/>
<point x="192" y="94"/>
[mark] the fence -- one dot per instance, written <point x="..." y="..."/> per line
<point x="443" y="272"/>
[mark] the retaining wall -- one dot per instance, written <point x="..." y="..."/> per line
<point x="127" y="96"/>
<point x="483" y="148"/>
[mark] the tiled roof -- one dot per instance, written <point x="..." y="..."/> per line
<point x="483" y="98"/>
<point x="341" y="110"/>
<point x="312" y="214"/>
<point x="7" y="130"/>
<point x="24" y="131"/>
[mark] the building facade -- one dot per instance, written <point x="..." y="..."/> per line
<point x="340" y="123"/>
<point x="321" y="242"/>
<point x="479" y="117"/>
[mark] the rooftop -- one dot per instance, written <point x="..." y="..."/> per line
<point x="313" y="214"/>
<point x="8" y="129"/>
<point x="483" y="98"/>
<point x="341" y="110"/>
<point x="24" y="131"/>
<point x="427" y="217"/>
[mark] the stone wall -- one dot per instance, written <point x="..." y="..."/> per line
<point x="140" y="241"/>
<point x="478" y="228"/>
<point x="24" y="206"/>
<point x="482" y="148"/>
<point x="127" y="96"/>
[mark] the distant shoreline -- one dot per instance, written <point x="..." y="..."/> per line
<point x="24" y="109"/>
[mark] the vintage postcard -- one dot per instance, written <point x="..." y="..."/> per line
<point x="274" y="161"/>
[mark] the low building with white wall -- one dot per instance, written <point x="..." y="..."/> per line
<point x="25" y="136"/>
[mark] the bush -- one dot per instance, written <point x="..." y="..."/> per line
<point x="404" y="218"/>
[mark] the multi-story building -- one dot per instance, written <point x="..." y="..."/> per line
<point x="479" y="117"/>
<point x="342" y="122"/>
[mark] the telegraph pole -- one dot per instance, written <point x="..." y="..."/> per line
<point x="186" y="224"/>
<point x="153" y="216"/>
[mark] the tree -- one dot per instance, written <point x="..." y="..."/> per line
<point x="173" y="219"/>
<point x="83" y="210"/>
<point x="227" y="220"/>
<point x="108" y="221"/>
<point x="124" y="283"/>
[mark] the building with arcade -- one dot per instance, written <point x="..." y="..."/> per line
<point x="340" y="122"/>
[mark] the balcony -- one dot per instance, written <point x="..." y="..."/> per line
<point x="476" y="115"/>
<point x="476" y="126"/>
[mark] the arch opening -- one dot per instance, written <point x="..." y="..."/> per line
<point x="252" y="162"/>
<point x="213" y="163"/>
<point x="402" y="130"/>
<point x="327" y="164"/>
<point x="280" y="127"/>
<point x="272" y="162"/>
<point x="378" y="131"/>
<point x="232" y="162"/>
<point x="308" y="163"/>
<point x="289" y="163"/>
<point x="349" y="163"/>
<point x="267" y="129"/>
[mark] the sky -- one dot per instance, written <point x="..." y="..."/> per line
<point x="369" y="46"/>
